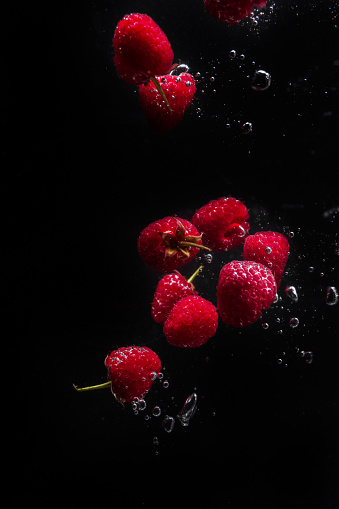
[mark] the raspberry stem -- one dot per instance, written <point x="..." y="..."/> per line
<point x="183" y="243"/>
<point x="161" y="92"/>
<point x="191" y="279"/>
<point x="92" y="387"/>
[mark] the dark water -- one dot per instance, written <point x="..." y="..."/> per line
<point x="83" y="174"/>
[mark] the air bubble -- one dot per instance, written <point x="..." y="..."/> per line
<point x="291" y="292"/>
<point x="308" y="357"/>
<point x="265" y="325"/>
<point x="247" y="127"/>
<point x="331" y="295"/>
<point x="268" y="250"/>
<point x="165" y="384"/>
<point x="261" y="81"/>
<point x="232" y="54"/>
<point x="156" y="411"/>
<point x="168" y="423"/>
<point x="294" y="322"/>
<point x="188" y="410"/>
<point x="208" y="257"/>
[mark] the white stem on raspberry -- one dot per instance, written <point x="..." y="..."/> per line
<point x="161" y="92"/>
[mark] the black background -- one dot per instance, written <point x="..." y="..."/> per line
<point x="82" y="174"/>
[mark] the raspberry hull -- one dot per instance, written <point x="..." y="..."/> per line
<point x="169" y="243"/>
<point x="244" y="290"/>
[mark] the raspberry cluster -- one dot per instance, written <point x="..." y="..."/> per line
<point x="245" y="287"/>
<point x="143" y="57"/>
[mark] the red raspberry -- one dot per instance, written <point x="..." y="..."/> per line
<point x="269" y="248"/>
<point x="223" y="223"/>
<point x="244" y="289"/>
<point x="142" y="50"/>
<point x="169" y="243"/>
<point x="171" y="288"/>
<point x="192" y="321"/>
<point x="231" y="11"/>
<point x="179" y="91"/>
<point x="131" y="371"/>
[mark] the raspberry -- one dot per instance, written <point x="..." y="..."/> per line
<point x="179" y="91"/>
<point x="223" y="223"/>
<point x="169" y="243"/>
<point x="171" y="288"/>
<point x="142" y="50"/>
<point x="192" y="321"/>
<point x="131" y="371"/>
<point x="244" y="289"/>
<point x="269" y="248"/>
<point x="231" y="11"/>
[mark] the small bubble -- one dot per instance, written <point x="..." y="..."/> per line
<point x="291" y="235"/>
<point x="160" y="376"/>
<point x="208" y="257"/>
<point x="261" y="81"/>
<point x="294" y="322"/>
<point x="168" y="423"/>
<point x="247" y="127"/>
<point x="242" y="56"/>
<point x="156" y="411"/>
<point x="188" y="410"/>
<point x="165" y="384"/>
<point x="265" y="325"/>
<point x="268" y="250"/>
<point x="154" y="375"/>
<point x="142" y="404"/>
<point x="232" y="54"/>
<point x="310" y="269"/>
<point x="212" y="78"/>
<point x="279" y="361"/>
<point x="178" y="79"/>
<point x="155" y="441"/>
<point x="188" y="83"/>
<point x="331" y="295"/>
<point x="291" y="292"/>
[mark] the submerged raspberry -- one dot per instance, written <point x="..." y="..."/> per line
<point x="223" y="223"/>
<point x="269" y="248"/>
<point x="179" y="91"/>
<point x="131" y="371"/>
<point x="141" y="48"/>
<point x="244" y="289"/>
<point x="192" y="321"/>
<point x="232" y="11"/>
<point x="171" y="288"/>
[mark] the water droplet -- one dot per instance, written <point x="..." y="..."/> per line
<point x="156" y="411"/>
<point x="331" y="295"/>
<point x="247" y="127"/>
<point x="294" y="322"/>
<point x="168" y="423"/>
<point x="291" y="292"/>
<point x="188" y="410"/>
<point x="232" y="54"/>
<point x="261" y="80"/>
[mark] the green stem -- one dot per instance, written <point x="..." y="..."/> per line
<point x="92" y="387"/>
<point x="191" y="279"/>
<point x="193" y="244"/>
<point x="161" y="92"/>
